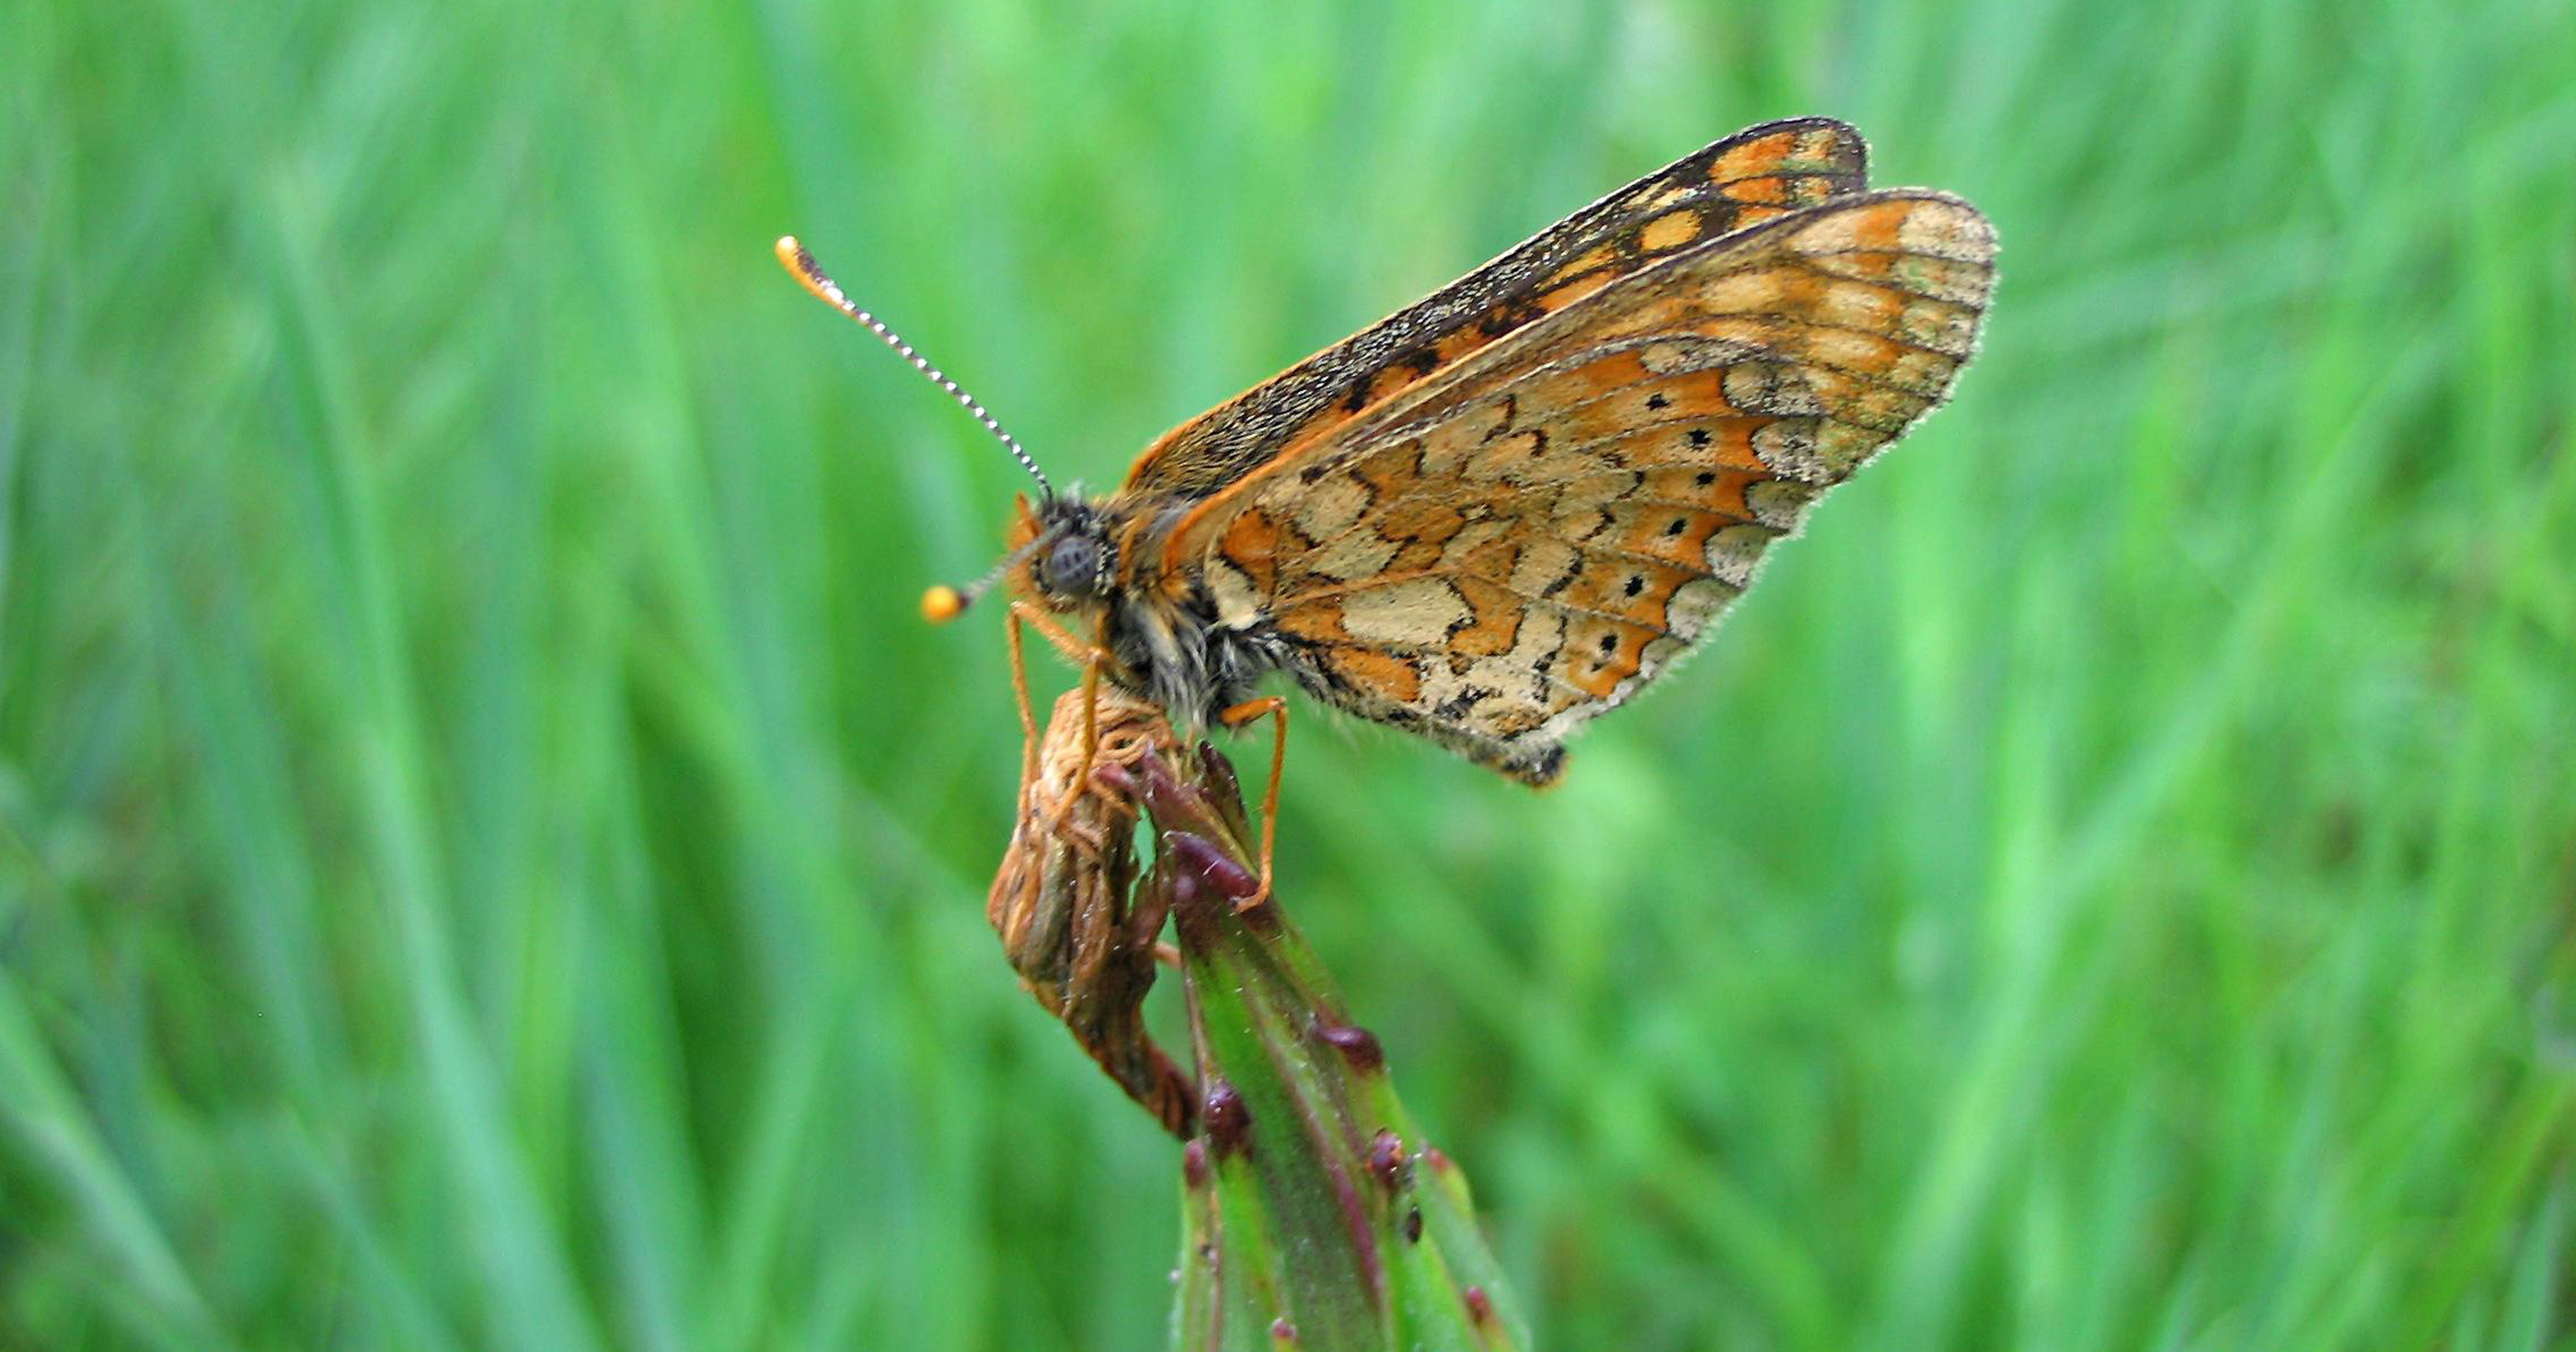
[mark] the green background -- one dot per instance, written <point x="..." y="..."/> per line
<point x="490" y="858"/>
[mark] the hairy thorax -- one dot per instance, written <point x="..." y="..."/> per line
<point x="1156" y="634"/>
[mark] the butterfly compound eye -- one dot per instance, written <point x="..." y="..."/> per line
<point x="1072" y="567"/>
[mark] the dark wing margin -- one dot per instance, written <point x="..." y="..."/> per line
<point x="1756" y="175"/>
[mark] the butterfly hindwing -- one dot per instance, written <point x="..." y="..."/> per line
<point x="1758" y="174"/>
<point x="1519" y="545"/>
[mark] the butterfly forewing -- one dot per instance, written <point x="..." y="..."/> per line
<point x="1517" y="545"/>
<point x="1756" y="175"/>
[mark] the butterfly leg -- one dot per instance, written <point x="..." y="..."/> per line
<point x="1241" y="715"/>
<point x="1049" y="628"/>
<point x="1020" y="693"/>
<point x="1089" y="656"/>
<point x="1090" y="717"/>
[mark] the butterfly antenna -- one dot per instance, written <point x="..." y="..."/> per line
<point x="943" y="603"/>
<point x="810" y="274"/>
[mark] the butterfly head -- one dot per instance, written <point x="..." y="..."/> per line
<point x="1062" y="556"/>
<point x="1071" y="559"/>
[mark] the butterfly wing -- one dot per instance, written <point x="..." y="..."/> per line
<point x="1506" y="551"/>
<point x="1758" y="174"/>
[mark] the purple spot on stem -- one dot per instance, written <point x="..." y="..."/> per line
<point x="1227" y="1122"/>
<point x="1357" y="1045"/>
<point x="1386" y="1159"/>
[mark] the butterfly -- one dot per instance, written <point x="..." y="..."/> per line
<point x="1506" y="509"/>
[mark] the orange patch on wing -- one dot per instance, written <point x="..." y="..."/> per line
<point x="1600" y="652"/>
<point x="1599" y="256"/>
<point x="1714" y="490"/>
<point x="1319" y="622"/>
<point x="1765" y="191"/>
<point x="1692" y="394"/>
<point x="1865" y="354"/>
<point x="1251" y="543"/>
<point x="1752" y="159"/>
<point x="1881" y="226"/>
<point x="1544" y="396"/>
<point x="1633" y="589"/>
<point x="1730" y="442"/>
<point x="1497" y="623"/>
<point x="1669" y="231"/>
<point x="1863" y="267"/>
<point x="1676" y="535"/>
<point x="1384" y="673"/>
<point x="1724" y="443"/>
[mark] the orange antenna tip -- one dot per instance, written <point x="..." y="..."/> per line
<point x="941" y="604"/>
<point x="809" y="274"/>
<point x="801" y="266"/>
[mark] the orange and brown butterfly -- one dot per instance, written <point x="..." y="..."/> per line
<point x="1503" y="511"/>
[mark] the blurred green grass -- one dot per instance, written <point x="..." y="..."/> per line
<point x="488" y="857"/>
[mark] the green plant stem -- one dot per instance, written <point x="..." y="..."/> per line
<point x="1316" y="1213"/>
